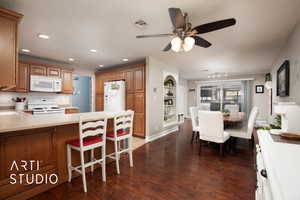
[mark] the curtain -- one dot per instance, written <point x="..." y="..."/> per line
<point x="246" y="100"/>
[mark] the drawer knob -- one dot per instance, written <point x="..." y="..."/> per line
<point x="263" y="172"/>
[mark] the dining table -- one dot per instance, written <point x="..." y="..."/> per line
<point x="234" y="119"/>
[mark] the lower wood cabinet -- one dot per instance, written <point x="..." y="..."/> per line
<point x="71" y="110"/>
<point x="139" y="124"/>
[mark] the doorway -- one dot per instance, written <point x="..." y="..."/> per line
<point x="81" y="97"/>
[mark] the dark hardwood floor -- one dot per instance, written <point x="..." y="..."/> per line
<point x="170" y="168"/>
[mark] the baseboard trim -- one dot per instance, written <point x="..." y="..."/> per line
<point x="161" y="134"/>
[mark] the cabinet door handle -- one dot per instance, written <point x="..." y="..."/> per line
<point x="263" y="172"/>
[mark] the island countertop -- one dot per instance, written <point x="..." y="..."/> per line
<point x="25" y="121"/>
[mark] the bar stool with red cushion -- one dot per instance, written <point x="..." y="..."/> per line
<point x="92" y="134"/>
<point x="123" y="125"/>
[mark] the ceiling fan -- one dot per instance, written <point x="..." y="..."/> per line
<point x="184" y="37"/>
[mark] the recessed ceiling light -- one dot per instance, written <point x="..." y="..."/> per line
<point x="71" y="59"/>
<point x="25" y="50"/>
<point x="101" y="65"/>
<point x="125" y="59"/>
<point x="43" y="36"/>
<point x="93" y="50"/>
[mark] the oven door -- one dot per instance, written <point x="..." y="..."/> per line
<point x="43" y="84"/>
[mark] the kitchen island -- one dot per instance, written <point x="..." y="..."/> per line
<point x="39" y="141"/>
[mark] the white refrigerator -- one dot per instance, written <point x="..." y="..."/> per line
<point x="114" y="96"/>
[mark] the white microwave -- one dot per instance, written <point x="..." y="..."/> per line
<point x="45" y="84"/>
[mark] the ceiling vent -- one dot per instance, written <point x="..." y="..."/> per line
<point x="141" y="24"/>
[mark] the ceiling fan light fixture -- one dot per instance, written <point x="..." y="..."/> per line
<point x="176" y="44"/>
<point x="188" y="44"/>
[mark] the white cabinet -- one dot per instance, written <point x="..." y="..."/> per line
<point x="263" y="191"/>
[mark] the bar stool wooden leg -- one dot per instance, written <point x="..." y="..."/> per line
<point x="69" y="157"/>
<point x="103" y="164"/>
<point x="117" y="156"/>
<point x="130" y="152"/>
<point x="92" y="159"/>
<point x="83" y="171"/>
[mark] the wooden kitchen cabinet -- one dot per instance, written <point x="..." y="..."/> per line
<point x="67" y="81"/>
<point x="23" y="77"/>
<point x="99" y="102"/>
<point x="54" y="71"/>
<point x="99" y="85"/>
<point x="129" y="79"/>
<point x="130" y="101"/>
<point x="38" y="70"/>
<point x="71" y="110"/>
<point x="8" y="47"/>
<point x="139" y="80"/>
<point x="139" y="125"/>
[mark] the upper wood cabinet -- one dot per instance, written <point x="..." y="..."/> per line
<point x="129" y="78"/>
<point x="67" y="81"/>
<point x="22" y="77"/>
<point x="38" y="70"/>
<point x="54" y="71"/>
<point x="139" y="80"/>
<point x="8" y="47"/>
<point x="99" y="85"/>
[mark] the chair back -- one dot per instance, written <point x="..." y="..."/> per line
<point x="92" y="124"/>
<point x="211" y="125"/>
<point x="251" y="121"/>
<point x="194" y="116"/>
<point x="123" y="121"/>
<point x="233" y="109"/>
<point x="204" y="106"/>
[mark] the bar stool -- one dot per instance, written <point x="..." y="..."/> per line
<point x="123" y="125"/>
<point x="92" y="134"/>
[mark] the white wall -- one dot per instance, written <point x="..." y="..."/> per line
<point x="154" y="95"/>
<point x="291" y="52"/>
<point x="182" y="96"/>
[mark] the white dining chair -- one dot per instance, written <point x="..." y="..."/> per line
<point x="245" y="132"/>
<point x="233" y="109"/>
<point x="204" y="106"/>
<point x="123" y="126"/>
<point x="92" y="134"/>
<point x="211" y="126"/>
<point x="195" y="124"/>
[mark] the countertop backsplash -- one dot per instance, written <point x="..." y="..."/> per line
<point x="60" y="99"/>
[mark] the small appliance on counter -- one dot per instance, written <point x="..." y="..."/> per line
<point x="114" y="96"/>
<point x="44" y="106"/>
<point x="290" y="115"/>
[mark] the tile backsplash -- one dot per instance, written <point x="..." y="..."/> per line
<point x="60" y="99"/>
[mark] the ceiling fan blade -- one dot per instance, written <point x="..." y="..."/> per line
<point x="213" y="26"/>
<point x="199" y="41"/>
<point x="177" y="18"/>
<point x="168" y="47"/>
<point x="155" y="35"/>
